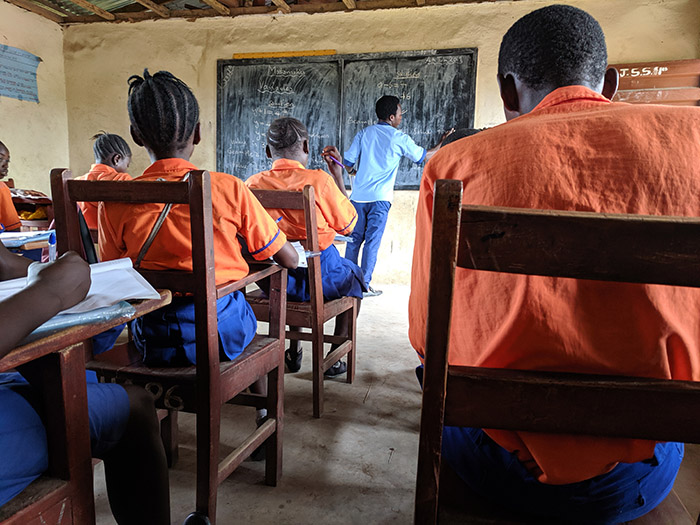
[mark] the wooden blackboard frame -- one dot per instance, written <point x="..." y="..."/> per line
<point x="224" y="66"/>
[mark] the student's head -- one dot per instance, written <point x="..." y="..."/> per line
<point x="287" y="138"/>
<point x="388" y="110"/>
<point x="4" y="161"/>
<point x="112" y="150"/>
<point x="549" y="48"/>
<point x="164" y="115"/>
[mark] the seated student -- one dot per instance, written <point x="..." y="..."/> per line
<point x="165" y="120"/>
<point x="112" y="159"/>
<point x="288" y="147"/>
<point x="566" y="146"/>
<point x="9" y="219"/>
<point x="124" y="429"/>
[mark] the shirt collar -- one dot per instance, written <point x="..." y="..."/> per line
<point x="382" y="123"/>
<point x="162" y="166"/>
<point x="287" y="164"/>
<point x="101" y="167"/>
<point x="570" y="94"/>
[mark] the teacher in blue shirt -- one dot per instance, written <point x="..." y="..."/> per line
<point x="374" y="156"/>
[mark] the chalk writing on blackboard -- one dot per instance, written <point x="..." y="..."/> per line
<point x="18" y="74"/>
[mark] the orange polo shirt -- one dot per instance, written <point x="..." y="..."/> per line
<point x="125" y="227"/>
<point x="8" y="213"/>
<point x="98" y="172"/>
<point x="335" y="212"/>
<point x="575" y="151"/>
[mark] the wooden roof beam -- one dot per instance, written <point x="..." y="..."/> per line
<point x="284" y="6"/>
<point x="159" y="9"/>
<point x="29" y="6"/>
<point x="97" y="10"/>
<point x="350" y="4"/>
<point x="218" y="7"/>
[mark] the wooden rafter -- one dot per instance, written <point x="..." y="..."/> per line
<point x="284" y="6"/>
<point x="218" y="7"/>
<point x="29" y="6"/>
<point x="95" y="9"/>
<point x="161" y="10"/>
<point x="55" y="7"/>
<point x="350" y="4"/>
<point x="420" y="2"/>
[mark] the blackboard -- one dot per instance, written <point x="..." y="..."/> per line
<point x="334" y="96"/>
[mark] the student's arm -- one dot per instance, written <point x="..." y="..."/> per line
<point x="12" y="265"/>
<point x="287" y="256"/>
<point x="337" y="209"/>
<point x="353" y="153"/>
<point x="432" y="151"/>
<point x="335" y="169"/>
<point x="50" y="288"/>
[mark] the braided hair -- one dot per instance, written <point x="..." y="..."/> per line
<point x="163" y="110"/>
<point x="286" y="134"/>
<point x="108" y="144"/>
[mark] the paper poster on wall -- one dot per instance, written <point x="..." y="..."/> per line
<point x="18" y="74"/>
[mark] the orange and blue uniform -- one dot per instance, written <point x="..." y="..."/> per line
<point x="575" y="151"/>
<point x="125" y="227"/>
<point x="335" y="214"/>
<point x="98" y="172"/>
<point x="8" y="214"/>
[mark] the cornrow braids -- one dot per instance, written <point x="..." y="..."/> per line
<point x="108" y="144"/>
<point x="285" y="133"/>
<point x="162" y="108"/>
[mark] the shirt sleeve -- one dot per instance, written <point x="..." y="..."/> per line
<point x="410" y="149"/>
<point x="353" y="153"/>
<point x="336" y="208"/>
<point x="260" y="231"/>
<point x="8" y="213"/>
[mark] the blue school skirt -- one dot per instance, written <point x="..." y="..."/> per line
<point x="166" y="337"/>
<point x="340" y="278"/>
<point x="23" y="447"/>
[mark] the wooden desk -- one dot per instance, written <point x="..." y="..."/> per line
<point x="55" y="365"/>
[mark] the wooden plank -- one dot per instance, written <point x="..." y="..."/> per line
<point x="650" y="75"/>
<point x="95" y="9"/>
<point x="162" y="11"/>
<point x="29" y="6"/>
<point x="577" y="245"/>
<point x="420" y="2"/>
<point x="550" y="402"/>
<point x="218" y="7"/>
<point x="350" y="4"/>
<point x="284" y="6"/>
<point x="128" y="191"/>
<point x="672" y="96"/>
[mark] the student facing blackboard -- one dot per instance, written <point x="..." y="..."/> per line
<point x="374" y="157"/>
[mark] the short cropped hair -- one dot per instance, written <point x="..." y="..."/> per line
<point x="556" y="46"/>
<point x="107" y="144"/>
<point x="285" y="133"/>
<point x="387" y="106"/>
<point x="162" y="108"/>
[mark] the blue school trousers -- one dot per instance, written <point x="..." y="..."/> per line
<point x="166" y="337"/>
<point x="339" y="277"/>
<point x="371" y="222"/>
<point x="23" y="446"/>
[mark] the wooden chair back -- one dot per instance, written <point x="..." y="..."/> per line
<point x="581" y="245"/>
<point x="215" y="382"/>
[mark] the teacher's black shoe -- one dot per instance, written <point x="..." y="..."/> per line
<point x="292" y="358"/>
<point x="196" y="518"/>
<point x="371" y="292"/>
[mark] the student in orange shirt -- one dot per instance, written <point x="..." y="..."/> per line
<point x="165" y="121"/>
<point x="8" y="214"/>
<point x="566" y="146"/>
<point x="112" y="159"/>
<point x="288" y="147"/>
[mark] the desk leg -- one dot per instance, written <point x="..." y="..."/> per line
<point x="60" y="377"/>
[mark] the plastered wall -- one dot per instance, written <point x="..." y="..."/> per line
<point x="36" y="134"/>
<point x="100" y="57"/>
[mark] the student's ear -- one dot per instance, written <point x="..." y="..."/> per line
<point x="610" y="83"/>
<point x="509" y="94"/>
<point x="115" y="158"/>
<point x="305" y="146"/>
<point x="268" y="152"/>
<point x="135" y="136"/>
<point x="197" y="135"/>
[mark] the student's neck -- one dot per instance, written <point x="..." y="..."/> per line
<point x="170" y="154"/>
<point x="289" y="157"/>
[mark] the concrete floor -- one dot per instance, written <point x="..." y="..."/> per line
<point x="355" y="465"/>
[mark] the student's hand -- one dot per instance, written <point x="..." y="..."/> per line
<point x="446" y="134"/>
<point x="66" y="280"/>
<point x="329" y="153"/>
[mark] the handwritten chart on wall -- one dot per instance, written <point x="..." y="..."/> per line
<point x="334" y="96"/>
